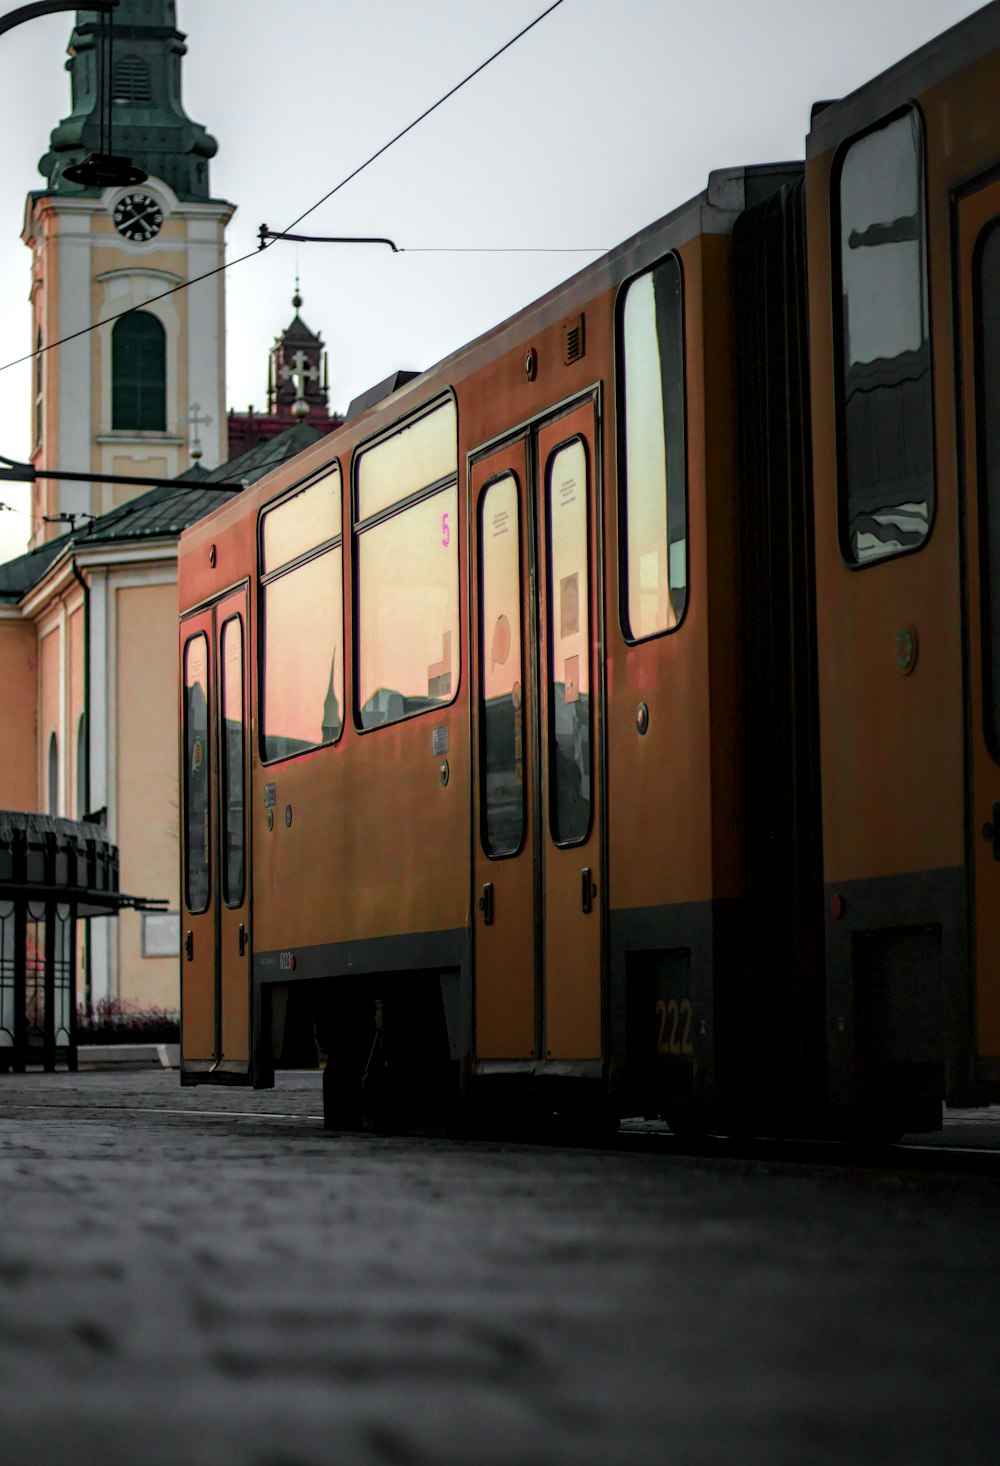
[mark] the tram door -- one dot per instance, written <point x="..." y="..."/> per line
<point x="538" y="866"/>
<point x="979" y="266"/>
<point x="215" y="952"/>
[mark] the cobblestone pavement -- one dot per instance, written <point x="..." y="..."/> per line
<point x="205" y="1276"/>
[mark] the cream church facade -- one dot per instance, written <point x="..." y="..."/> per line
<point x="88" y="638"/>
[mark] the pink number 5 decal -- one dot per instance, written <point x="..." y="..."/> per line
<point x="445" y="531"/>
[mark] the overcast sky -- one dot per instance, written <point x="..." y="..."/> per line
<point x="606" y="115"/>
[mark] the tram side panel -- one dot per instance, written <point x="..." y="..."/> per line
<point x="890" y="555"/>
<point x="674" y="845"/>
<point x="362" y="839"/>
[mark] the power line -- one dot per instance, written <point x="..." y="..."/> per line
<point x="433" y="108"/>
<point x="252" y="254"/>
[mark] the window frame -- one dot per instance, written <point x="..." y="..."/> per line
<point x="622" y="450"/>
<point x="189" y="641"/>
<point x="226" y="782"/>
<point x="119" y="326"/>
<point x="359" y="526"/>
<point x="905" y="109"/>
<point x="987" y="619"/>
<point x="481" y="701"/>
<point x="264" y="579"/>
<point x="593" y="572"/>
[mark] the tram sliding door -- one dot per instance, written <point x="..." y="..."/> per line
<point x="215" y="960"/>
<point x="538" y="864"/>
<point x="979" y="289"/>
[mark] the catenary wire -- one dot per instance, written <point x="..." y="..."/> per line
<point x="251" y="254"/>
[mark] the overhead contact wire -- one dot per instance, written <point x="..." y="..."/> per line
<point x="251" y="254"/>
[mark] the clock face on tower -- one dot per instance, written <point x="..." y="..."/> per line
<point x="137" y="217"/>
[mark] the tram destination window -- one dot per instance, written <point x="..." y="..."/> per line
<point x="407" y="569"/>
<point x="567" y="496"/>
<point x="883" y="351"/>
<point x="501" y="701"/>
<point x="302" y="620"/>
<point x="197" y="766"/>
<point x="653" y="466"/>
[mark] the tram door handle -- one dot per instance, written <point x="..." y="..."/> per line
<point x="486" y="903"/>
<point x="588" y="890"/>
<point x="996" y="831"/>
<point x="189" y="946"/>
<point x="242" y="938"/>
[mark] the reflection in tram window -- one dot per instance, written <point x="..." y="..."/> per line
<point x="232" y="762"/>
<point x="197" y="762"/>
<point x="654" y="473"/>
<point x="501" y="711"/>
<point x="569" y="645"/>
<point x="887" y="475"/>
<point x="407" y="570"/>
<point x="302" y="620"/>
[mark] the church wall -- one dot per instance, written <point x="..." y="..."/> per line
<point x="146" y="809"/>
<point x="75" y="630"/>
<point x="18" y="713"/>
<point x="50" y="701"/>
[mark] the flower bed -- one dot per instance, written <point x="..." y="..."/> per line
<point x="110" y="1021"/>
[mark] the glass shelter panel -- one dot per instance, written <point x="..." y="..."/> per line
<point x="886" y="407"/>
<point x="408" y="610"/>
<point x="654" y="468"/>
<point x="63" y="986"/>
<point x="988" y="373"/>
<point x="34" y="973"/>
<point x="569" y="644"/>
<point x="8" y="992"/>
<point x="501" y="712"/>
<point x="197" y="762"/>
<point x="233" y="856"/>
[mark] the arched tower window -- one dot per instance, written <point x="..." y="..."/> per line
<point x="53" y="774"/>
<point x="139" y="373"/>
<point x="131" y="80"/>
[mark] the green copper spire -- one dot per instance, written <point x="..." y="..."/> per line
<point x="149" y="124"/>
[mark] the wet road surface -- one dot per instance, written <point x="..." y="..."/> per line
<point x="204" y="1276"/>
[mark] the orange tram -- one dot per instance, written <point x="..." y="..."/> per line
<point x="607" y="721"/>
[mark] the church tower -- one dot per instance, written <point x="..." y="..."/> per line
<point x="133" y="396"/>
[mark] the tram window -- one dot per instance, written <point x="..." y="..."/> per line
<point x="883" y="358"/>
<point x="500" y="709"/>
<point x="197" y="762"/>
<point x="231" y="773"/>
<point x="654" y="468"/>
<point x="407" y="571"/>
<point x="421" y="453"/>
<point x="988" y="384"/>
<point x="569" y="644"/>
<point x="302" y="620"/>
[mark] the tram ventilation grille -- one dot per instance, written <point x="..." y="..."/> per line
<point x="573" y="340"/>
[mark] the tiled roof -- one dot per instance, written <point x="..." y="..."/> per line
<point x="256" y="462"/>
<point x="160" y="513"/>
<point x="18" y="576"/>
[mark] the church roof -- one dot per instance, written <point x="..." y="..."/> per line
<point x="18" y="576"/>
<point x="150" y="124"/>
<point x="258" y="461"/>
<point x="160" y="513"/>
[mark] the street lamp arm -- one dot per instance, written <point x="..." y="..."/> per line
<point x="49" y="7"/>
